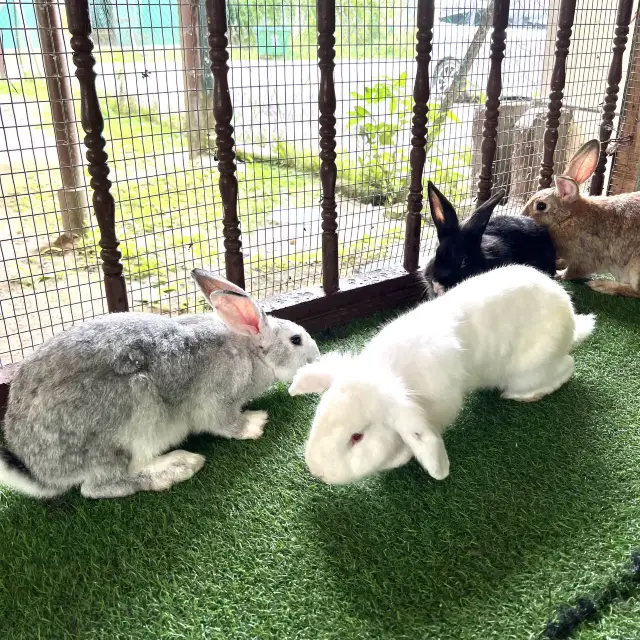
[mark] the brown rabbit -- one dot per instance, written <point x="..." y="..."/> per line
<point x="599" y="234"/>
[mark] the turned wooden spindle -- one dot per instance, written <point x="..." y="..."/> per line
<point x="326" y="12"/>
<point x="79" y="24"/>
<point x="223" y="113"/>
<point x="492" y="105"/>
<point x="566" y="14"/>
<point x="418" y="155"/>
<point x="623" y="19"/>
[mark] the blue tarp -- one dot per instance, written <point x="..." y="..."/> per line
<point x="139" y="23"/>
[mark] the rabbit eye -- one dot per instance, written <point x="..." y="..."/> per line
<point x="355" y="438"/>
<point x="296" y="340"/>
<point x="541" y="206"/>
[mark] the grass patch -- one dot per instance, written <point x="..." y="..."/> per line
<point x="541" y="507"/>
<point x="167" y="214"/>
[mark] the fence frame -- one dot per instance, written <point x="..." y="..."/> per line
<point x="338" y="301"/>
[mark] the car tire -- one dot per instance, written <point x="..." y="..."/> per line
<point x="443" y="75"/>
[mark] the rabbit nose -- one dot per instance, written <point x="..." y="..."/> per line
<point x="438" y="288"/>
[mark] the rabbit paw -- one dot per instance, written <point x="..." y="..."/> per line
<point x="529" y="397"/>
<point x="176" y="466"/>
<point x="254" y="424"/>
<point x="613" y="288"/>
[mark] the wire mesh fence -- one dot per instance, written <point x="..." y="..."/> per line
<point x="624" y="143"/>
<point x="156" y="93"/>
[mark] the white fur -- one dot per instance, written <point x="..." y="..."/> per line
<point x="511" y="329"/>
<point x="22" y="483"/>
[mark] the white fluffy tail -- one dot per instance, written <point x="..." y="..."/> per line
<point x="14" y="475"/>
<point x="585" y="324"/>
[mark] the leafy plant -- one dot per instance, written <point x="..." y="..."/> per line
<point x="380" y="113"/>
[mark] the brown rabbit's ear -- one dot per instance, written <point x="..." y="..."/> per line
<point x="584" y="162"/>
<point x="567" y="189"/>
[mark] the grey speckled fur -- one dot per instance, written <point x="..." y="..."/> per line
<point x="96" y="406"/>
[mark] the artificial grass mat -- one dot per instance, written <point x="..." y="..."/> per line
<point x="541" y="508"/>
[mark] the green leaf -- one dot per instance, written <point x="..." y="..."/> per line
<point x="393" y="106"/>
<point x="360" y="111"/>
<point x="386" y="138"/>
<point x="401" y="81"/>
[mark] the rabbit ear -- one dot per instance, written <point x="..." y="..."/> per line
<point x="235" y="308"/>
<point x="567" y="188"/>
<point x="209" y="283"/>
<point x="442" y="211"/>
<point x="478" y="221"/>
<point x="239" y="312"/>
<point x="426" y="445"/>
<point x="318" y="376"/>
<point x="584" y="162"/>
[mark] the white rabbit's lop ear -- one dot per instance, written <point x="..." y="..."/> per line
<point x="567" y="188"/>
<point x="584" y="162"/>
<point x="318" y="376"/>
<point x="426" y="444"/>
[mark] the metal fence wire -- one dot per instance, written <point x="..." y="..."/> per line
<point x="155" y="89"/>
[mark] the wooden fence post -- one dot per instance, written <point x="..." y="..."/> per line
<point x="418" y="156"/>
<point x="73" y="199"/>
<point x="623" y="18"/>
<point x="326" y="12"/>
<point x="492" y="105"/>
<point x="79" y="24"/>
<point x="566" y="14"/>
<point x="223" y="112"/>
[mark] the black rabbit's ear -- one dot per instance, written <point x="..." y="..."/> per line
<point x="442" y="211"/>
<point x="480" y="218"/>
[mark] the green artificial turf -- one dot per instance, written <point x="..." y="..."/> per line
<point x="542" y="506"/>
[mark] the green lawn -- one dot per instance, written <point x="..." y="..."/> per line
<point x="541" y="507"/>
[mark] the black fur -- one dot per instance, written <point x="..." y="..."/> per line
<point x="568" y="619"/>
<point x="12" y="460"/>
<point x="481" y="243"/>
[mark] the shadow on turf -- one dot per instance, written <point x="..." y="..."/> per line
<point x="615" y="309"/>
<point x="412" y="548"/>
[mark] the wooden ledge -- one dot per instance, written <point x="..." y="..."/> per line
<point x="359" y="297"/>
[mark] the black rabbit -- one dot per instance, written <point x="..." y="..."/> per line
<point x="481" y="244"/>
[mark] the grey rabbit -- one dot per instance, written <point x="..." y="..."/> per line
<point x="99" y="405"/>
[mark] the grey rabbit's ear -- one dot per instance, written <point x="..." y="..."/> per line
<point x="234" y="307"/>
<point x="209" y="283"/>
<point x="584" y="162"/>
<point x="442" y="211"/>
<point x="480" y="218"/>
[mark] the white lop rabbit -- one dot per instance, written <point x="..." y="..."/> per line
<point x="512" y="328"/>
